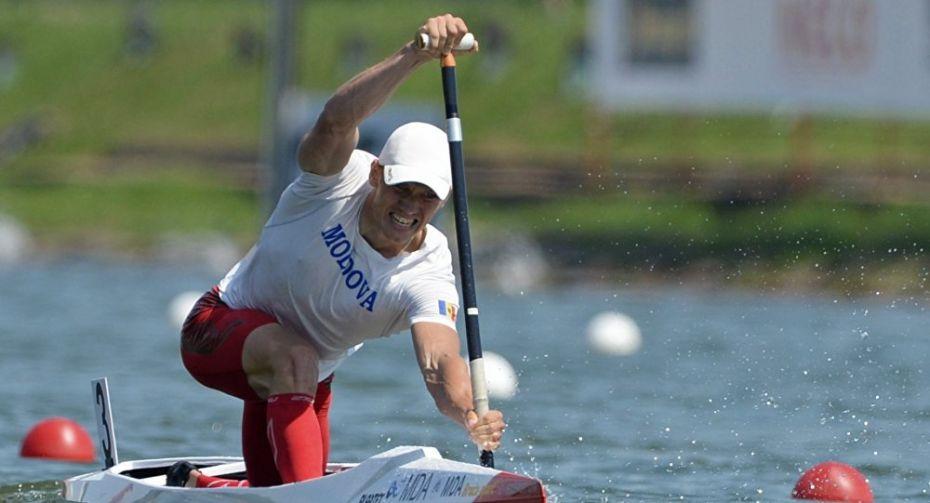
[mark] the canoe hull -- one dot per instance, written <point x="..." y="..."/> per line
<point x="402" y="474"/>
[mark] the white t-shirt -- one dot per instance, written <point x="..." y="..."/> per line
<point x="313" y="271"/>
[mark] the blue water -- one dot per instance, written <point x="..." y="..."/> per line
<point x="732" y="396"/>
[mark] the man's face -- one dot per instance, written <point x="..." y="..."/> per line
<point x="399" y="212"/>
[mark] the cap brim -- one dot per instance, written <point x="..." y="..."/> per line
<point x="398" y="173"/>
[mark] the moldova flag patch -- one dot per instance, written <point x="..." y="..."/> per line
<point x="448" y="310"/>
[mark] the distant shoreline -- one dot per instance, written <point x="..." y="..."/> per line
<point x="890" y="279"/>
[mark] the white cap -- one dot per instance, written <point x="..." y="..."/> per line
<point x="418" y="152"/>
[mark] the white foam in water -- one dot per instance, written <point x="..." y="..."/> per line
<point x="614" y="333"/>
<point x="502" y="380"/>
<point x="180" y="306"/>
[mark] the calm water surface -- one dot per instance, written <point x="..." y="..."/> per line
<point x="732" y="395"/>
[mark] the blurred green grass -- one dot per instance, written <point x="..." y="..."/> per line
<point x="667" y="231"/>
<point x="131" y="214"/>
<point x="76" y="74"/>
<point x="92" y="98"/>
<point x="191" y="90"/>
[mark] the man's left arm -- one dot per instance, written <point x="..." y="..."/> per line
<point x="447" y="380"/>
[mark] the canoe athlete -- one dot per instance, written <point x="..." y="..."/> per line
<point x="347" y="255"/>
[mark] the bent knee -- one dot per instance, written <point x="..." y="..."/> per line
<point x="295" y="370"/>
<point x="280" y="362"/>
<point x="295" y="360"/>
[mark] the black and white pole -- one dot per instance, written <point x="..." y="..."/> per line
<point x="460" y="203"/>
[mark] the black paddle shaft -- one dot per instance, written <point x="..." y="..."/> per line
<point x="460" y="203"/>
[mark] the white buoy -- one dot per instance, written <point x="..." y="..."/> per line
<point x="15" y="242"/>
<point x="502" y="380"/>
<point x="614" y="333"/>
<point x="180" y="307"/>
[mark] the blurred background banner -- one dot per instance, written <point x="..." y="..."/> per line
<point x="867" y="57"/>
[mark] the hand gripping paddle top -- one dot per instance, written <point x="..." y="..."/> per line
<point x="460" y="203"/>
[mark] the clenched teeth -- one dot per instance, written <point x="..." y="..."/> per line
<point x="406" y="222"/>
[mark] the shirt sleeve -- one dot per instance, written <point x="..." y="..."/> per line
<point x="310" y="190"/>
<point x="434" y="300"/>
<point x="345" y="183"/>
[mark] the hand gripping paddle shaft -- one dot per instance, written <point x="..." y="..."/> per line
<point x="460" y="203"/>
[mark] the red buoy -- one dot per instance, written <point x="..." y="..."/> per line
<point x="833" y="481"/>
<point x="58" y="438"/>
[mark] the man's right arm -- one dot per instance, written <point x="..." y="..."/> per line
<point x="326" y="148"/>
<point x="447" y="380"/>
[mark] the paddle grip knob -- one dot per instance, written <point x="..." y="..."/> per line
<point x="466" y="44"/>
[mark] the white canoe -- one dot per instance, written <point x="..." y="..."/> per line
<point x="399" y="475"/>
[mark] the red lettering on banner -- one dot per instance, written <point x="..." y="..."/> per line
<point x="827" y="35"/>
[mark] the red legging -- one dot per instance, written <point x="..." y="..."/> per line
<point x="212" y="342"/>
<point x="259" y="458"/>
